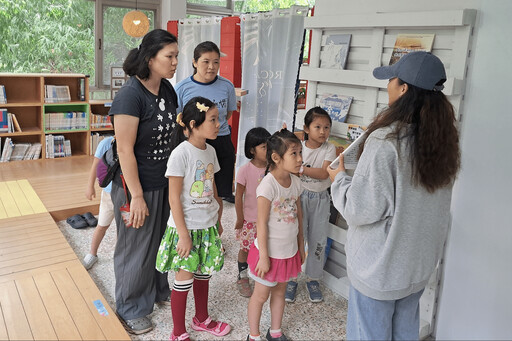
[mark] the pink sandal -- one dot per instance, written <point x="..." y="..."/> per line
<point x="182" y="337"/>
<point x="220" y="329"/>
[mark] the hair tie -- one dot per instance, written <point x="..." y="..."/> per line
<point x="179" y="119"/>
<point x="202" y="107"/>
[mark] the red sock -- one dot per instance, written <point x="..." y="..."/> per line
<point x="178" y="308"/>
<point x="201" y="300"/>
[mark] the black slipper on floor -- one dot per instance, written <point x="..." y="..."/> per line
<point x="77" y="222"/>
<point x="90" y="219"/>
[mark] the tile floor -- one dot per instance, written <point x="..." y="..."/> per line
<point x="302" y="320"/>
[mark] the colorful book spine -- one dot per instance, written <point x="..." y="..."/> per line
<point x="4" y="121"/>
<point x="3" y="95"/>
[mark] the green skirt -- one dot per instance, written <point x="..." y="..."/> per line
<point x="206" y="256"/>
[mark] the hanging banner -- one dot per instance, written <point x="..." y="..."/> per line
<point x="271" y="45"/>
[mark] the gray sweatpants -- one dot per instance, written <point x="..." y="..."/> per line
<point x="315" y="217"/>
<point x="138" y="284"/>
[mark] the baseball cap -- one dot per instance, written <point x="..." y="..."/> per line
<point x="421" y="69"/>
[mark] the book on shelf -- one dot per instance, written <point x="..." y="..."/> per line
<point x="57" y="146"/>
<point x="16" y="124"/>
<point x="100" y="121"/>
<point x="9" y="123"/>
<point x="7" y="150"/>
<point x="4" y="121"/>
<point x="335" y="51"/>
<point x="36" y="152"/>
<point x="337" y="106"/>
<point x="406" y="43"/>
<point x="96" y="138"/>
<point x="3" y="95"/>
<point x="70" y="120"/>
<point x="33" y="152"/>
<point x="19" y="151"/>
<point x="81" y="89"/>
<point x="67" y="148"/>
<point x="57" y="94"/>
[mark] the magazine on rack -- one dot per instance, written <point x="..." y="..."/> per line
<point x="335" y="51"/>
<point x="406" y="43"/>
<point x="337" y="106"/>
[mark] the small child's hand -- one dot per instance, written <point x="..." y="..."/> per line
<point x="220" y="229"/>
<point x="239" y="224"/>
<point x="262" y="267"/>
<point x="302" y="255"/>
<point x="90" y="193"/>
<point x="184" y="246"/>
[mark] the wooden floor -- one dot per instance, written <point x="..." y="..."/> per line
<point x="45" y="292"/>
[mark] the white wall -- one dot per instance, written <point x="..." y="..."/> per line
<point x="476" y="301"/>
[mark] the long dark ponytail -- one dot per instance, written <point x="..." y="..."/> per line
<point x="435" y="152"/>
<point x="137" y="60"/>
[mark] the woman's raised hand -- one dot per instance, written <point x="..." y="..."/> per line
<point x="334" y="172"/>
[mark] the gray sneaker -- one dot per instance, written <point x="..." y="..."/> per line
<point x="315" y="295"/>
<point x="89" y="261"/>
<point x="291" y="291"/>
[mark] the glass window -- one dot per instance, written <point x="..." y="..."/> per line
<point x="253" y="6"/>
<point x="218" y="3"/>
<point x="47" y="36"/>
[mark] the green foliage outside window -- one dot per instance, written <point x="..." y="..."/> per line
<point x="47" y="36"/>
<point x="268" y="5"/>
<point x="58" y="35"/>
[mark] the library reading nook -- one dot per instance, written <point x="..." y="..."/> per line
<point x="345" y="161"/>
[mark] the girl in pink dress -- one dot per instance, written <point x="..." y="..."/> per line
<point x="278" y="251"/>
<point x="248" y="178"/>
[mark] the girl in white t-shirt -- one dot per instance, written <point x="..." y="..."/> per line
<point x="191" y="245"/>
<point x="317" y="154"/>
<point x="248" y="178"/>
<point x="278" y="251"/>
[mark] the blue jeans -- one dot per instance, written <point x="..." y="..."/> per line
<point x="370" y="319"/>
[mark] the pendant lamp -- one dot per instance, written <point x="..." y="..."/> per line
<point x="135" y="23"/>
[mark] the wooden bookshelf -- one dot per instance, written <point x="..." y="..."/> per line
<point x="26" y="99"/>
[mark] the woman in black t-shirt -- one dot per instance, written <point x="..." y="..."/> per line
<point x="144" y="111"/>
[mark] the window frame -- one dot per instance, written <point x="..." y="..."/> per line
<point x="150" y="5"/>
<point x="209" y="10"/>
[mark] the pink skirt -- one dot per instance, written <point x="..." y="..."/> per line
<point x="281" y="270"/>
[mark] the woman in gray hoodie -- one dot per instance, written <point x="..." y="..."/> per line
<point x="397" y="203"/>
